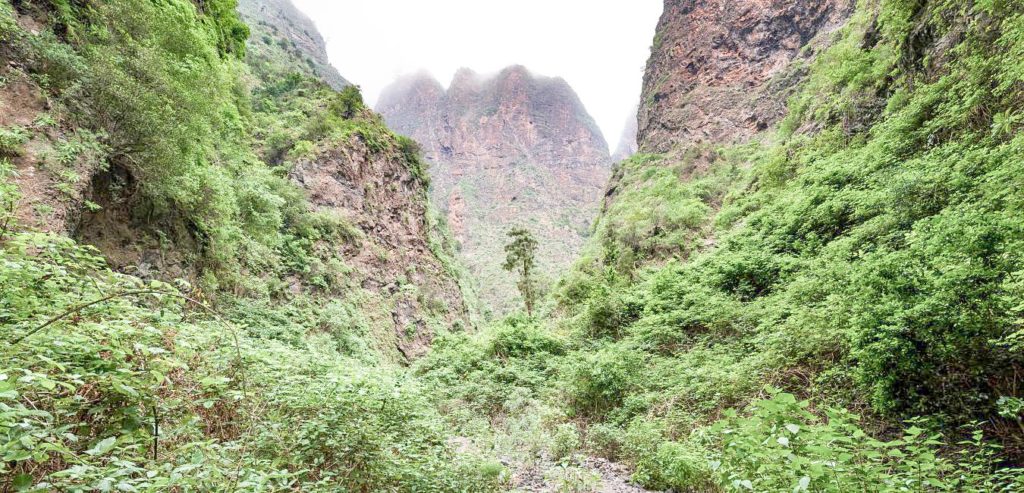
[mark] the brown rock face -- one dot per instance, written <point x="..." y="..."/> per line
<point x="282" y="37"/>
<point x="721" y="70"/>
<point x="376" y="192"/>
<point x="511" y="149"/>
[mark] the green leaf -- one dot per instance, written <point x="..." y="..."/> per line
<point x="22" y="482"/>
<point x="104" y="446"/>
<point x="17" y="455"/>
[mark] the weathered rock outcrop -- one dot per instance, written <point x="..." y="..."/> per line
<point x="285" y="39"/>
<point x="721" y="70"/>
<point x="510" y="149"/>
<point x="394" y="251"/>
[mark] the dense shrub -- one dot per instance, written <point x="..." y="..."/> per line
<point x="598" y="382"/>
<point x="348" y="103"/>
<point x="522" y="338"/>
<point x="868" y="257"/>
<point x="676" y="467"/>
<point x="137" y="392"/>
<point x="781" y="446"/>
<point x="492" y="370"/>
<point x="12" y="140"/>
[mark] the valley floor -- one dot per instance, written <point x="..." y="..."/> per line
<point x="591" y="474"/>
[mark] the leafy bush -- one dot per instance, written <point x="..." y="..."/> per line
<point x="520" y="337"/>
<point x="348" y="103"/>
<point x="676" y="467"/>
<point x="599" y="382"/>
<point x="781" y="446"/>
<point x="492" y="370"/>
<point x="12" y="139"/>
<point x="609" y="311"/>
<point x="126" y="388"/>
<point x="565" y="441"/>
<point x="944" y="304"/>
<point x="605" y="441"/>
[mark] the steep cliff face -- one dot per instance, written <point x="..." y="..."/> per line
<point x="505" y="150"/>
<point x="720" y="71"/>
<point x="395" y="254"/>
<point x="284" y="40"/>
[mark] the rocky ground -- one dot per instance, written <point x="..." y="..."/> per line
<point x="590" y="474"/>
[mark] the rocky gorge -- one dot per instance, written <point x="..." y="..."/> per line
<point x="509" y="149"/>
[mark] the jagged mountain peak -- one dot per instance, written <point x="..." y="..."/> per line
<point x="548" y="106"/>
<point x="409" y="87"/>
<point x="508" y="148"/>
<point x="418" y="78"/>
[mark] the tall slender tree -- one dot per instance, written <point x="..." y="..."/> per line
<point x="520" y="257"/>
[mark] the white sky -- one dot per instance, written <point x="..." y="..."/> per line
<point x="599" y="46"/>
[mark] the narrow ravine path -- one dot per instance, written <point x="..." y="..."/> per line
<point x="544" y="474"/>
<point x="590" y="475"/>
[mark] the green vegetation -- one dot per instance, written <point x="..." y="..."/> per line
<point x="193" y="138"/>
<point x="781" y="444"/>
<point x="521" y="252"/>
<point x="272" y="370"/>
<point x="11" y="141"/>
<point x="835" y="308"/>
<point x="145" y="390"/>
<point x="838" y="307"/>
<point x="871" y="264"/>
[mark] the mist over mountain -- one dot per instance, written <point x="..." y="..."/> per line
<point x="628" y="145"/>
<point x="506" y="149"/>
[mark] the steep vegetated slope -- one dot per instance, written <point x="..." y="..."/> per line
<point x="284" y="41"/>
<point x="513" y="149"/>
<point x="137" y="148"/>
<point x="824" y="296"/>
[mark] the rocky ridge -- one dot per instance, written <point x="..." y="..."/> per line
<point x="397" y="254"/>
<point x="509" y="149"/>
<point x="395" y="258"/>
<point x="285" y="39"/>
